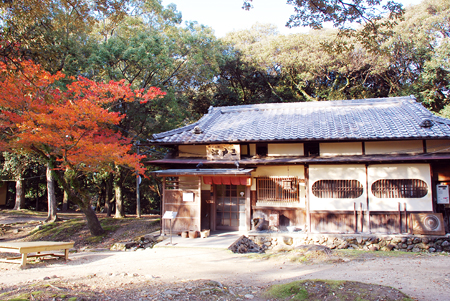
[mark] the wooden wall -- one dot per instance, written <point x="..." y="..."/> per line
<point x="188" y="213"/>
<point x="380" y="222"/>
<point x="3" y="191"/>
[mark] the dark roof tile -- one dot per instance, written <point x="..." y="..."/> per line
<point x="362" y="119"/>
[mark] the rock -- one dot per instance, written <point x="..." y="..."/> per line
<point x="373" y="240"/>
<point x="307" y="249"/>
<point x="416" y="249"/>
<point x="249" y="296"/>
<point x="425" y="240"/>
<point x="287" y="240"/>
<point x="422" y="246"/>
<point x="147" y="238"/>
<point x="123" y="246"/>
<point x="373" y="248"/>
<point x="46" y="278"/>
<point x="160" y="238"/>
<point x="215" y="283"/>
<point x="245" y="245"/>
<point x="445" y="244"/>
<point x="359" y="240"/>
<point x="417" y="240"/>
<point x="343" y="246"/>
<point x="390" y="247"/>
<point x="396" y="240"/>
<point x="431" y="250"/>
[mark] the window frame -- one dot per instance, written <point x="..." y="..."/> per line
<point x="400" y="190"/>
<point x="334" y="189"/>
<point x="276" y="189"/>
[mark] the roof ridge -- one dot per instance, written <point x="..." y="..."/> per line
<point x="290" y="105"/>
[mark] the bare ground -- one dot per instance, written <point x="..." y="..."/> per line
<point x="165" y="273"/>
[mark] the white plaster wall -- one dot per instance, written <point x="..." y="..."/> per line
<point x="337" y="172"/>
<point x="185" y="151"/>
<point x="438" y="146"/>
<point x="252" y="149"/>
<point x="393" y="147"/>
<point x="340" y="149"/>
<point x="285" y="149"/>
<point x="400" y="171"/>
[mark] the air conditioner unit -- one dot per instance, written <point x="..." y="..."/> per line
<point x="427" y="223"/>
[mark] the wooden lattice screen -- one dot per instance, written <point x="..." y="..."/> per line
<point x="282" y="189"/>
<point x="337" y="189"/>
<point x="399" y="188"/>
<point x="186" y="183"/>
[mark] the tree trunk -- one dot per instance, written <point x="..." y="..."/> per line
<point x="20" y="195"/>
<point x="93" y="223"/>
<point x="80" y="198"/>
<point x="51" y="217"/>
<point x="109" y="194"/>
<point x="119" y="200"/>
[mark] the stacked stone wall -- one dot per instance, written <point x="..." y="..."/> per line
<point x="410" y="243"/>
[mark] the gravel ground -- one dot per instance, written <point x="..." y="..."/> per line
<point x="165" y="273"/>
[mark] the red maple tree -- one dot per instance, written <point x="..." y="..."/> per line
<point x="71" y="129"/>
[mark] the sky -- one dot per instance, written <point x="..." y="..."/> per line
<point x="227" y="15"/>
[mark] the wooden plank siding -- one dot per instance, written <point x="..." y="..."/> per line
<point x="188" y="213"/>
<point x="380" y="222"/>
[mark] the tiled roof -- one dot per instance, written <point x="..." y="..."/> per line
<point x="361" y="119"/>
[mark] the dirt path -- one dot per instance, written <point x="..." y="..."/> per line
<point x="424" y="277"/>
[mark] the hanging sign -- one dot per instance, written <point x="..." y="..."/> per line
<point x="223" y="152"/>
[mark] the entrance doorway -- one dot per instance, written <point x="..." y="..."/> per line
<point x="230" y="207"/>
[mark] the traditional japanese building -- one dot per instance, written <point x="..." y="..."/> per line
<point x="351" y="166"/>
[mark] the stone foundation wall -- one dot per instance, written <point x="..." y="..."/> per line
<point x="408" y="243"/>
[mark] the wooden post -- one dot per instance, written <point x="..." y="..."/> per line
<point x="199" y="215"/>
<point x="163" y="202"/>
<point x="213" y="209"/>
<point x="355" y="214"/>
<point x="308" y="212"/>
<point x="399" y="218"/>
<point x="367" y="200"/>
<point x="406" y="217"/>
<point x="362" y="216"/>
<point x="248" y="208"/>
<point x="24" y="259"/>
<point x="66" y="254"/>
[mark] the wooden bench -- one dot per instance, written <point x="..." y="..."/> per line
<point x="24" y="248"/>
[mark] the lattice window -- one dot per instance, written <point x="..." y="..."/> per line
<point x="283" y="189"/>
<point x="337" y="189"/>
<point x="399" y="188"/>
<point x="184" y="183"/>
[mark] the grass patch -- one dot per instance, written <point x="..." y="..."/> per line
<point x="58" y="230"/>
<point x="318" y="289"/>
<point x="24" y="212"/>
<point x="293" y="291"/>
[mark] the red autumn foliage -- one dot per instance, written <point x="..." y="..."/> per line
<point x="74" y="125"/>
